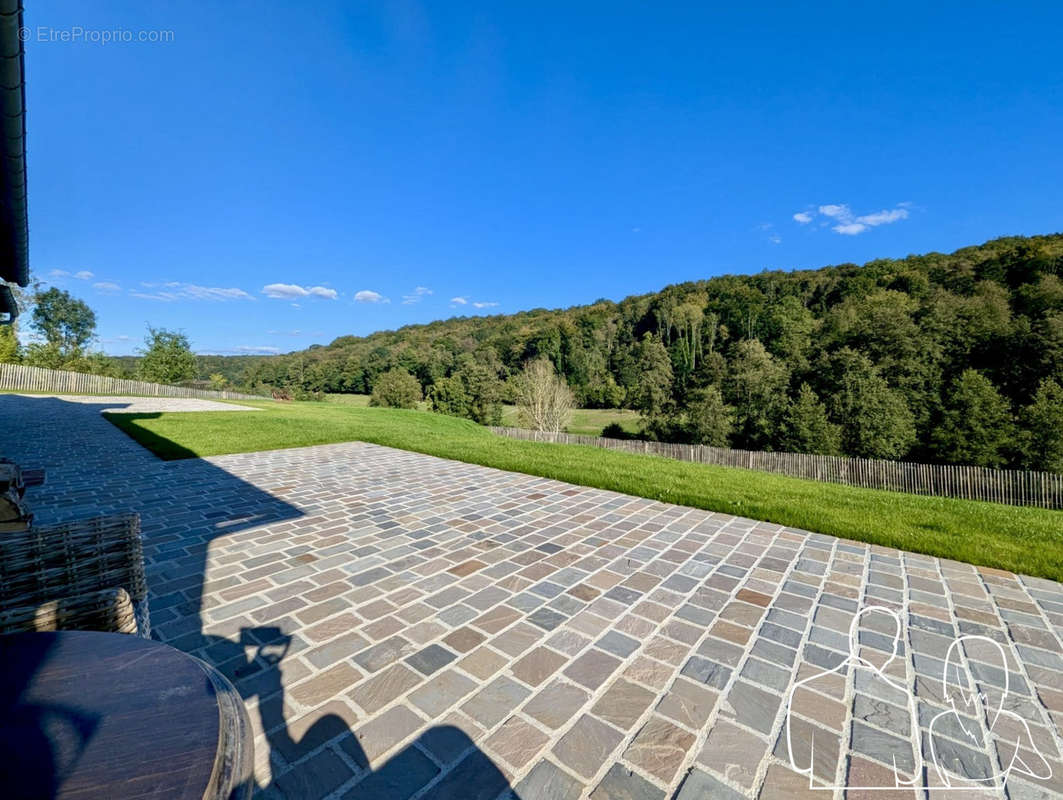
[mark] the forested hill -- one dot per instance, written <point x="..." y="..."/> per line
<point x="955" y="358"/>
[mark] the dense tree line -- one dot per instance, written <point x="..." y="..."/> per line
<point x="952" y="358"/>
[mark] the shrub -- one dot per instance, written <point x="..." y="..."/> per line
<point x="396" y="388"/>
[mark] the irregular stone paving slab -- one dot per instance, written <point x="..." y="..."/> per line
<point x="406" y="626"/>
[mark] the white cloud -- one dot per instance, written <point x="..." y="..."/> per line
<point x="775" y="238"/>
<point x="116" y="339"/>
<point x="484" y="305"/>
<point x="107" y="286"/>
<point x="841" y="211"/>
<point x="415" y="296"/>
<point x="849" y="228"/>
<point x="284" y="291"/>
<point x="849" y="224"/>
<point x="176" y="290"/>
<point x="81" y="275"/>
<point x="459" y="301"/>
<point x="369" y="296"/>
<point x="264" y="351"/>
<point x="289" y="291"/>
<point x="884" y="217"/>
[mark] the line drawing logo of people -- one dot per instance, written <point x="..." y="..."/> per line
<point x="970" y="737"/>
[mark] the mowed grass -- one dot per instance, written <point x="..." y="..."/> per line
<point x="1024" y="540"/>
<point x="585" y="421"/>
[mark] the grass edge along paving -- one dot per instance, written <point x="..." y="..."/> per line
<point x="1023" y="540"/>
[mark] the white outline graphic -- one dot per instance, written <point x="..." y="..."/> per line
<point x="965" y="701"/>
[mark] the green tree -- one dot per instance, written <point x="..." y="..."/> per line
<point x="976" y="426"/>
<point x="474" y="391"/>
<point x="709" y="420"/>
<point x="484" y="390"/>
<point x="653" y="389"/>
<point x="1044" y="422"/>
<point x="166" y="358"/>
<point x="448" y="396"/>
<point x="756" y="387"/>
<point x="875" y="419"/>
<point x="218" y="382"/>
<point x="396" y="388"/>
<point x="9" y="347"/>
<point x="63" y="320"/>
<point x="807" y="428"/>
<point x="47" y="355"/>
<point x="790" y="327"/>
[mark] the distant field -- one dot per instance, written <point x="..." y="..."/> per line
<point x="1025" y="540"/>
<point x="358" y="400"/>
<point x="585" y="421"/>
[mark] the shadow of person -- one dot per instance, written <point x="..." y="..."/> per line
<point x="306" y="758"/>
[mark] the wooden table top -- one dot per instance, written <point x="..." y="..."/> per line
<point x="92" y="715"/>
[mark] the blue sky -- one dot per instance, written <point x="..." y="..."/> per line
<point x="277" y="175"/>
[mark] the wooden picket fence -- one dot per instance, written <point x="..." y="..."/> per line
<point x="1015" y="487"/>
<point x="21" y="378"/>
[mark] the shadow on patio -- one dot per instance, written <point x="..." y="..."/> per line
<point x="188" y="508"/>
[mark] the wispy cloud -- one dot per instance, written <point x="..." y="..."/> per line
<point x="289" y="291"/>
<point x="172" y="291"/>
<point x="455" y="302"/>
<point x="769" y="230"/>
<point x="416" y="296"/>
<point x="847" y="223"/>
<point x="261" y="351"/>
<point x="369" y="296"/>
<point x="107" y="286"/>
<point x="81" y="275"/>
<point x="117" y="339"/>
<point x="295" y="332"/>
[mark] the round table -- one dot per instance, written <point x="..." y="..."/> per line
<point x="88" y="715"/>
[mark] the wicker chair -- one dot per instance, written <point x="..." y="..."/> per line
<point x="83" y="575"/>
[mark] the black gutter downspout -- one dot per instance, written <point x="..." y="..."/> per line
<point x="14" y="221"/>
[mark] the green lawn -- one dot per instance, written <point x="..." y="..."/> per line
<point x="586" y="421"/>
<point x="1025" y="540"/>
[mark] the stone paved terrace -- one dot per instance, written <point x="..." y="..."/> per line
<point x="404" y="625"/>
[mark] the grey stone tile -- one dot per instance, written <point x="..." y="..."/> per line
<point x="430" y="659"/>
<point x="547" y="782"/>
<point x="700" y="785"/>
<point x="620" y="783"/>
<point x="618" y="644"/>
<point x="708" y="672"/>
<point x="750" y="705"/>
